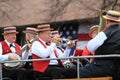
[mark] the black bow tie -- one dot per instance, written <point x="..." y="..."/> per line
<point x="47" y="44"/>
<point x="12" y="45"/>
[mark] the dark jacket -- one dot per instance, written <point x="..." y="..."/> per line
<point x="112" y="44"/>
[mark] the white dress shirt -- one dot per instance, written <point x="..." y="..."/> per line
<point x="96" y="42"/>
<point x="5" y="57"/>
<point x="26" y="54"/>
<point x="39" y="50"/>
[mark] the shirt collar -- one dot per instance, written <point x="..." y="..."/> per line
<point x="42" y="41"/>
<point x="8" y="43"/>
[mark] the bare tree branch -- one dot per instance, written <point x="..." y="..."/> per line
<point x="103" y="5"/>
<point x="114" y="4"/>
<point x="9" y="10"/>
<point x="58" y="7"/>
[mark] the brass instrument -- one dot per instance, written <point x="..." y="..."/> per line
<point x="102" y="21"/>
<point x="68" y="42"/>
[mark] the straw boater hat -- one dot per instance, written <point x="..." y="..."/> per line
<point x="112" y="15"/>
<point x="30" y="30"/>
<point x="93" y="28"/>
<point x="44" y="27"/>
<point x="9" y="30"/>
<point x="55" y="32"/>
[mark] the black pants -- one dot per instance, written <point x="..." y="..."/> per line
<point x="18" y="74"/>
<point x="70" y="72"/>
<point x="56" y="72"/>
<point x="116" y="75"/>
<point x="97" y="68"/>
<point x="28" y="65"/>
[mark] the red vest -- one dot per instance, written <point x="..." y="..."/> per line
<point x="85" y="52"/>
<point x="40" y="66"/>
<point x="6" y="49"/>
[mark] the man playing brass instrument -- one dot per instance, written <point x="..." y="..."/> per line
<point x="105" y="42"/>
<point x="85" y="52"/>
<point x="45" y="47"/>
<point x="69" y="44"/>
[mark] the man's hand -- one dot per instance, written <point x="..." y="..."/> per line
<point x="13" y="57"/>
<point x="71" y="44"/>
<point x="55" y="39"/>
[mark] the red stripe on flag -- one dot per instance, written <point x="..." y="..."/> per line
<point x="83" y="37"/>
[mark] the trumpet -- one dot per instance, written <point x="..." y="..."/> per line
<point x="68" y="41"/>
<point x="65" y="41"/>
